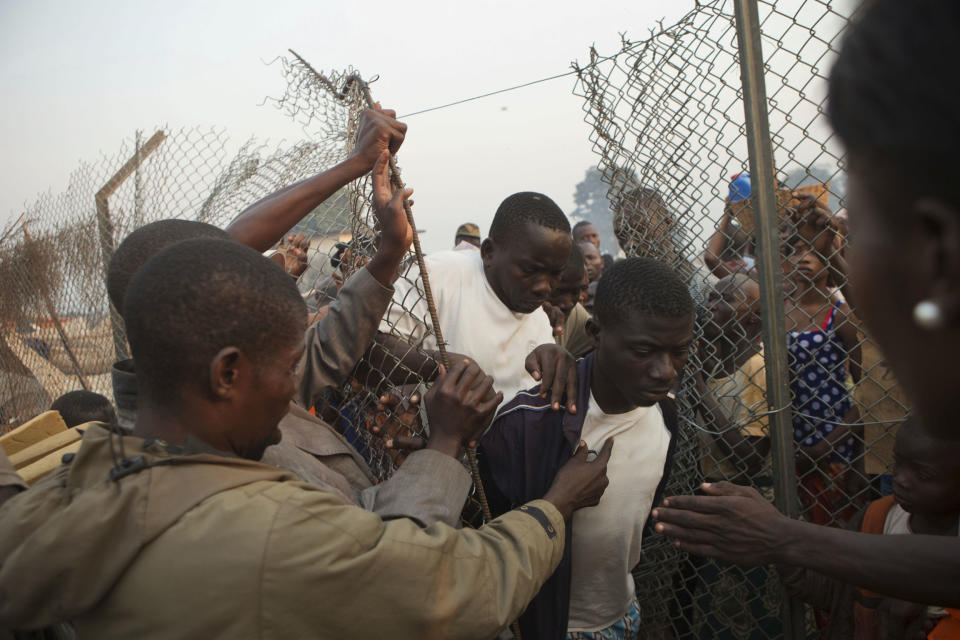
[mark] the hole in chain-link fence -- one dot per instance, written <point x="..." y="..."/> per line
<point x="60" y="332"/>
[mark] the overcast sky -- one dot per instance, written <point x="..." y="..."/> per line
<point x="79" y="77"/>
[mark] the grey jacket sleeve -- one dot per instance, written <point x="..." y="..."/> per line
<point x="428" y="487"/>
<point x="337" y="341"/>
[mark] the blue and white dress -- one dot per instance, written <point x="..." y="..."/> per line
<point x="818" y="375"/>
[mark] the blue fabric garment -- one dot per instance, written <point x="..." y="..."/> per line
<point x="626" y="628"/>
<point x="520" y="456"/>
<point x="818" y="374"/>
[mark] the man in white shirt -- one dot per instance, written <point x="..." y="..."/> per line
<point x="643" y="327"/>
<point x="489" y="302"/>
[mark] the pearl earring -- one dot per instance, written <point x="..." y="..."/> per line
<point x="928" y="315"/>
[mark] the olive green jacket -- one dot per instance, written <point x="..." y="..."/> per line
<point x="200" y="545"/>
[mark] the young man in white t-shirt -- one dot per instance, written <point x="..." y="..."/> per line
<point x="489" y="301"/>
<point x="643" y="326"/>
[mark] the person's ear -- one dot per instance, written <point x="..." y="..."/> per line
<point x="227" y="369"/>
<point x="593" y="329"/>
<point x="486" y="251"/>
<point x="938" y="260"/>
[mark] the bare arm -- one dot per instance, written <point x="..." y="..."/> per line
<point x="337" y="341"/>
<point x="889" y="565"/>
<point x="736" y="524"/>
<point x="717" y="245"/>
<point x="262" y="224"/>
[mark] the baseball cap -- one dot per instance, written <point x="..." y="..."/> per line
<point x="468" y="230"/>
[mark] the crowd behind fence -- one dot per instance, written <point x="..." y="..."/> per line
<point x="667" y="120"/>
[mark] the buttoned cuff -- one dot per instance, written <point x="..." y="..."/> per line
<point x="428" y="487"/>
<point x="366" y="281"/>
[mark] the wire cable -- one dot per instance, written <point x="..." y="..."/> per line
<point x="491" y="93"/>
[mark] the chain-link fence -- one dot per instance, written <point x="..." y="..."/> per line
<point x="60" y="332"/>
<point x="669" y="117"/>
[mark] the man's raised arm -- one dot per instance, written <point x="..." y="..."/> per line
<point x="337" y="341"/>
<point x="263" y="224"/>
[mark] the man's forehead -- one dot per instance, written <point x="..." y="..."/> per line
<point x="641" y="327"/>
<point x="540" y="242"/>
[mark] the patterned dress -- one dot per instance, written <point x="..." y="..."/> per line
<point x="818" y="368"/>
<point x="831" y="492"/>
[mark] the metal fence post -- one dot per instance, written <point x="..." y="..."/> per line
<point x="771" y="286"/>
<point x="105" y="227"/>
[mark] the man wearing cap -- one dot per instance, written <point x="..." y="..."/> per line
<point x="467" y="238"/>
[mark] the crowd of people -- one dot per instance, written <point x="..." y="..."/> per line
<point x="213" y="497"/>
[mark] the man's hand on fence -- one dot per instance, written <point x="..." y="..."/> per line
<point x="379" y="131"/>
<point x="460" y="405"/>
<point x="395" y="232"/>
<point x="731" y="522"/>
<point x="397" y="421"/>
<point x="580" y="482"/>
<point x="556" y="370"/>
<point x="294" y="251"/>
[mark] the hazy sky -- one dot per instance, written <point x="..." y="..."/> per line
<point x="79" y="77"/>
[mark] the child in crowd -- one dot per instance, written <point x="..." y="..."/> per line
<point x="643" y="328"/>
<point x="925" y="501"/>
<point x="732" y="385"/>
<point x="823" y="343"/>
<point x="80" y="407"/>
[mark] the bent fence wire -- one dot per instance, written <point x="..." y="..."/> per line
<point x="60" y="332"/>
<point x="667" y="120"/>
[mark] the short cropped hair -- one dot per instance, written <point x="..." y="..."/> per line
<point x="891" y="104"/>
<point x="81" y="406"/>
<point x="527" y="207"/>
<point x="197" y="297"/>
<point x="144" y="243"/>
<point x="641" y="286"/>
<point x="581" y="225"/>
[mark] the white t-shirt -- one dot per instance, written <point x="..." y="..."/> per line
<point x="473" y="320"/>
<point x="606" y="538"/>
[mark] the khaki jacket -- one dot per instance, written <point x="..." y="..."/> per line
<point x="197" y="545"/>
